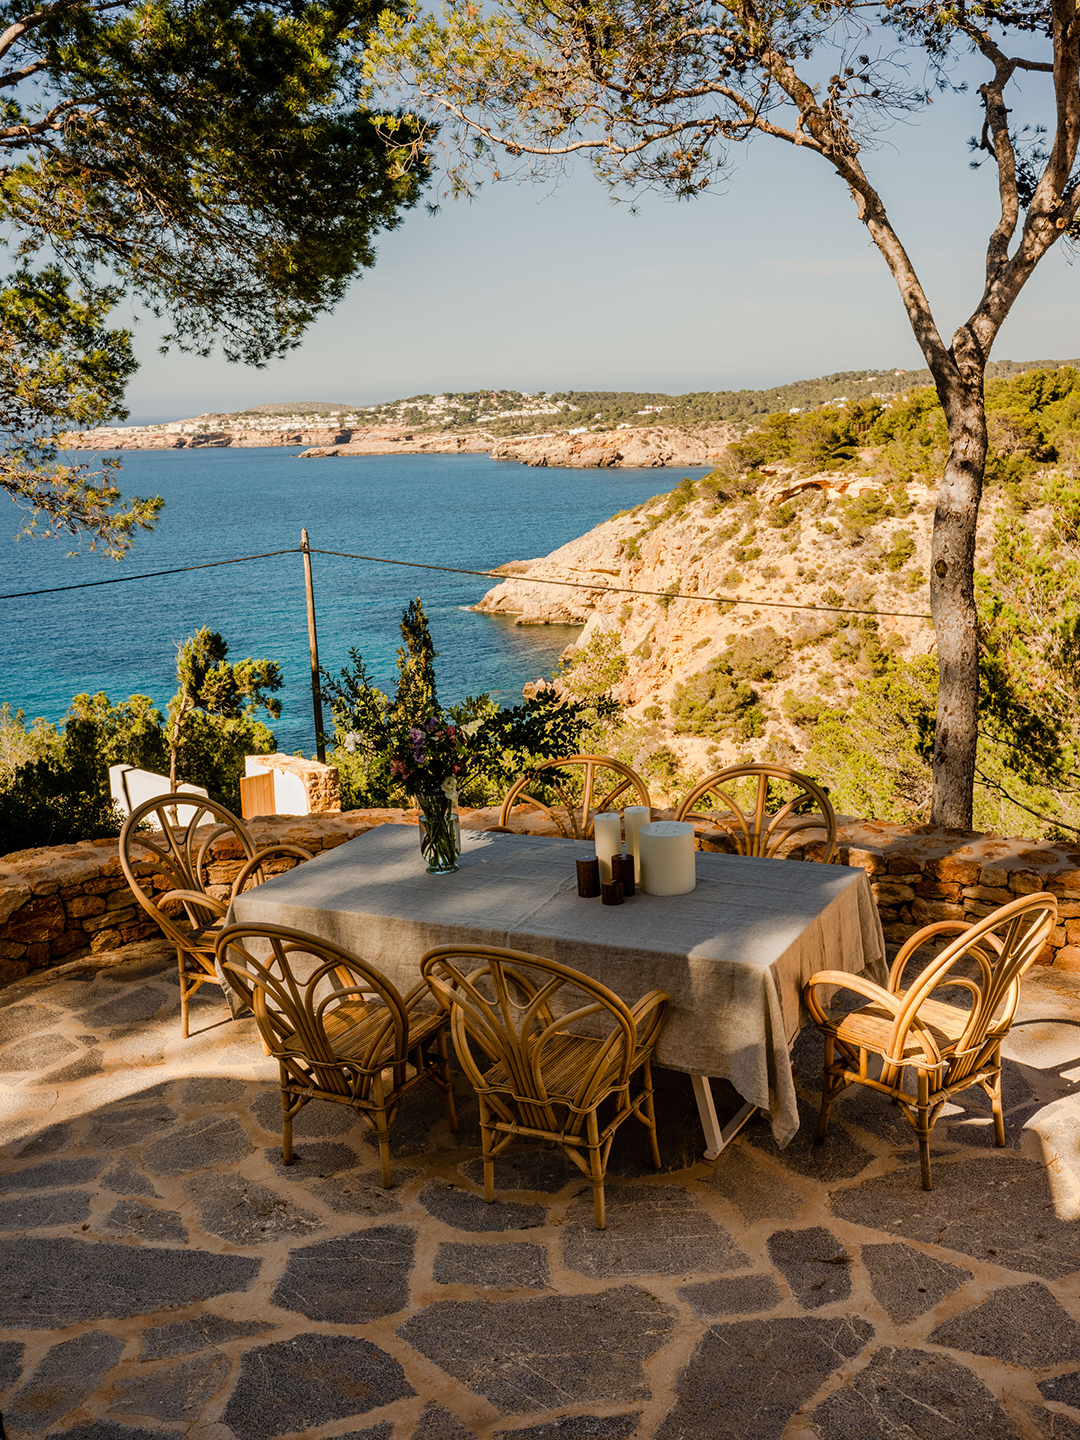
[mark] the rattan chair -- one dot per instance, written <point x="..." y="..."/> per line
<point x="755" y="829"/>
<point x="949" y="1047"/>
<point x="535" y="1075"/>
<point x="339" y="1030"/>
<point x="560" y="788"/>
<point x="165" y="854"/>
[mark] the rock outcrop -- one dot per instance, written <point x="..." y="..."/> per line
<point x="629" y="447"/>
<point x="402" y="442"/>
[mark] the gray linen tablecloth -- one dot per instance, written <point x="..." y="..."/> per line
<point x="733" y="954"/>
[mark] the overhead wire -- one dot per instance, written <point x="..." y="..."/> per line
<point x="496" y="575"/>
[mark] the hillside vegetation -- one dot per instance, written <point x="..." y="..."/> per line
<point x="513" y="412"/>
<point x="811" y="521"/>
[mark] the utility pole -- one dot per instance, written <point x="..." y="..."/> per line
<point x="313" y="648"/>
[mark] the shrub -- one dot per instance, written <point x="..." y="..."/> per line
<point x="712" y="703"/>
<point x="901" y="551"/>
<point x="759" y="654"/>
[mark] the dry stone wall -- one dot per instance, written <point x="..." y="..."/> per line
<point x="65" y="902"/>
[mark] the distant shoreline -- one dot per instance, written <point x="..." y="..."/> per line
<point x="625" y="447"/>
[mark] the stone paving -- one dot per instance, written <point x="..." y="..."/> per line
<point x="163" y="1274"/>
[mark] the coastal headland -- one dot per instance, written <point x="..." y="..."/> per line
<point x="573" y="429"/>
<point x="638" y="447"/>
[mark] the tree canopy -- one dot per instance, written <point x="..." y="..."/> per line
<point x="212" y="158"/>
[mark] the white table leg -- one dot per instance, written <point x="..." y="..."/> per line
<point x="717" y="1136"/>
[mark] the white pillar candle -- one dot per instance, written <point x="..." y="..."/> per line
<point x="634" y="816"/>
<point x="667" y="858"/>
<point x="607" y="837"/>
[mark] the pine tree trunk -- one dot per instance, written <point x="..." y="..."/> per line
<point x="175" y="741"/>
<point x="952" y="602"/>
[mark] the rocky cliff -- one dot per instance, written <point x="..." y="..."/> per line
<point x="629" y="447"/>
<point x="402" y="442"/>
<point x="793" y="554"/>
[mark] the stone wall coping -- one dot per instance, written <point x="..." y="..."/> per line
<point x="294" y="764"/>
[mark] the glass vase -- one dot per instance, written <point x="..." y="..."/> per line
<point x="440" y="835"/>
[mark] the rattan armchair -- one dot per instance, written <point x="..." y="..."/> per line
<point x="339" y="1030"/>
<point x="535" y="1075"/>
<point x="755" y="828"/>
<point x="165" y="854"/>
<point x="559" y="789"/>
<point x="949" y="1047"/>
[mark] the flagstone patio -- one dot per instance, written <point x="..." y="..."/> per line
<point x="163" y="1274"/>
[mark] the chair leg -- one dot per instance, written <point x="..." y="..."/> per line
<point x="924" y="1152"/>
<point x="826" y="1092"/>
<point x="183" y="995"/>
<point x="383" y="1133"/>
<point x="650" y="1116"/>
<point x="923" y="1128"/>
<point x="286" y="1129"/>
<point x="448" y="1088"/>
<point x="487" y="1135"/>
<point x="597" y="1168"/>
<point x="993" y="1089"/>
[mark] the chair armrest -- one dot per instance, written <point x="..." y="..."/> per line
<point x="842" y="980"/>
<point x="655" y="1003"/>
<point x="896" y="1004"/>
<point x="417" y="993"/>
<point x="192" y="897"/>
<point x="904" y="954"/>
<point x="250" y="866"/>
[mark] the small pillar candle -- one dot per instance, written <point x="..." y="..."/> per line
<point x="588" y="877"/>
<point x="607" y="838"/>
<point x="667" y="858"/>
<point x="611" y="894"/>
<point x="622" y="868"/>
<point x="634" y="816"/>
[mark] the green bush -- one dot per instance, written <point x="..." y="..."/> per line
<point x="758" y="654"/>
<point x="901" y="551"/>
<point x="713" y="703"/>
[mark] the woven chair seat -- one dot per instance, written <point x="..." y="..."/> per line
<point x="351" y="1026"/>
<point x="872" y="1027"/>
<point x="566" y="1059"/>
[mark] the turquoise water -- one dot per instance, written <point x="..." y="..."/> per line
<point x="464" y="510"/>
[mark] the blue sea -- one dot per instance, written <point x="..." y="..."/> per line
<point x="466" y="510"/>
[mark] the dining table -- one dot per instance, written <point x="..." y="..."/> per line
<point x="733" y="954"/>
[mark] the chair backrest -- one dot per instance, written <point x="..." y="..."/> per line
<point x="175" y="851"/>
<point x="1002" y="946"/>
<point x="755" y="829"/>
<point x="329" y="1017"/>
<point x="500" y="1003"/>
<point x="549" y="776"/>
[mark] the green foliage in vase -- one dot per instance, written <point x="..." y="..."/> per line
<point x="495" y="744"/>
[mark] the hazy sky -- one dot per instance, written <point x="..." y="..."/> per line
<point x="553" y="287"/>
